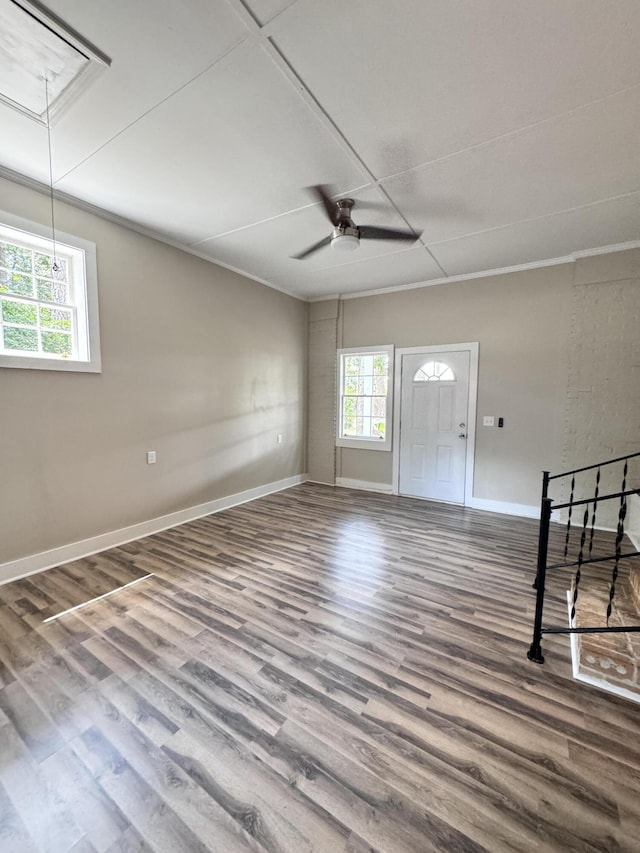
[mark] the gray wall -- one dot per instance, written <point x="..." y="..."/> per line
<point x="200" y="364"/>
<point x="323" y="342"/>
<point x="531" y="326"/>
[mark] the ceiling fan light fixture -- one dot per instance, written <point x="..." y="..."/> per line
<point x="345" y="242"/>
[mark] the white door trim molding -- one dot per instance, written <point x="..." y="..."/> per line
<point x="473" y="349"/>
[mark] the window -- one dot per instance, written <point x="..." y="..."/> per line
<point x="434" y="371"/>
<point x="48" y="312"/>
<point x="364" y="398"/>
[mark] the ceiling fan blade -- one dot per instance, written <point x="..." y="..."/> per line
<point x="370" y="232"/>
<point x="319" y="245"/>
<point x="321" y="192"/>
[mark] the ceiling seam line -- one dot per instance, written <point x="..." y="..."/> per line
<point x="155" y="106"/>
<point x="292" y="77"/>
<point x="488" y="142"/>
<point x="537" y="218"/>
<point x="357" y="189"/>
<point x="287" y="70"/>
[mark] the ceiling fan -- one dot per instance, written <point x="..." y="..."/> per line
<point x="345" y="234"/>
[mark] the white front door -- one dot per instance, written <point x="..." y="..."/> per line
<point x="434" y="424"/>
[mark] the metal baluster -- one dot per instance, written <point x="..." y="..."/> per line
<point x="566" y="538"/>
<point x="545" y="492"/>
<point x="535" y="651"/>
<point x="583" y="538"/>
<point x="593" y="517"/>
<point x="622" y="512"/>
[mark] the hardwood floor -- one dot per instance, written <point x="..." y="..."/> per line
<point x="320" y="670"/>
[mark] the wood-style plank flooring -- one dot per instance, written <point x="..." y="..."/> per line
<point x="320" y="670"/>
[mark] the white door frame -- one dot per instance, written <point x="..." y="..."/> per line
<point x="472" y="348"/>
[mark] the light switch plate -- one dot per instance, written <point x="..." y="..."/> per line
<point x="488" y="420"/>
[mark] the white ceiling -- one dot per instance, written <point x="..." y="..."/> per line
<point x="507" y="132"/>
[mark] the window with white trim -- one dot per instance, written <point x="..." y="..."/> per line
<point x="364" y="398"/>
<point x="48" y="299"/>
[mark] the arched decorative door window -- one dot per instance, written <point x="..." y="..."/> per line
<point x="434" y="371"/>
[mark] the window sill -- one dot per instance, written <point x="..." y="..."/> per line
<point x="26" y="362"/>
<point x="363" y="444"/>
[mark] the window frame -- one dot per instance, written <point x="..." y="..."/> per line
<point x="362" y="442"/>
<point x="84" y="307"/>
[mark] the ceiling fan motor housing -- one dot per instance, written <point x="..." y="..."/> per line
<point x="345" y="237"/>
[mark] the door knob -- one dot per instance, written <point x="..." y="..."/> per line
<point x="462" y="435"/>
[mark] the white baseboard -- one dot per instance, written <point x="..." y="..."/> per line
<point x="34" y="563"/>
<point x="633" y="521"/>
<point x="505" y="507"/>
<point x="364" y="485"/>
<point x="477" y="503"/>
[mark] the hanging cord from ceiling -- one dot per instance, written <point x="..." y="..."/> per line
<point x="55" y="266"/>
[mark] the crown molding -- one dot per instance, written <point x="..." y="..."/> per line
<point x="123" y="222"/>
<point x="452" y="279"/>
<point x="533" y="265"/>
<point x="607" y="250"/>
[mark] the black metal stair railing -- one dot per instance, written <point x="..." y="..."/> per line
<point x="585" y="556"/>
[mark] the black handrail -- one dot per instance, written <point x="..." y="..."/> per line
<point x="593" y="467"/>
<point x="547" y="506"/>
<point x="600" y="498"/>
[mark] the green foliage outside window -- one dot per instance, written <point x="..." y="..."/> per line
<point x="20" y="339"/>
<point x="15" y="258"/>
<point x="364" y="392"/>
<point x="23" y="313"/>
<point x="15" y="283"/>
<point x="56" y="343"/>
<point x="28" y="325"/>
<point x="54" y="318"/>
